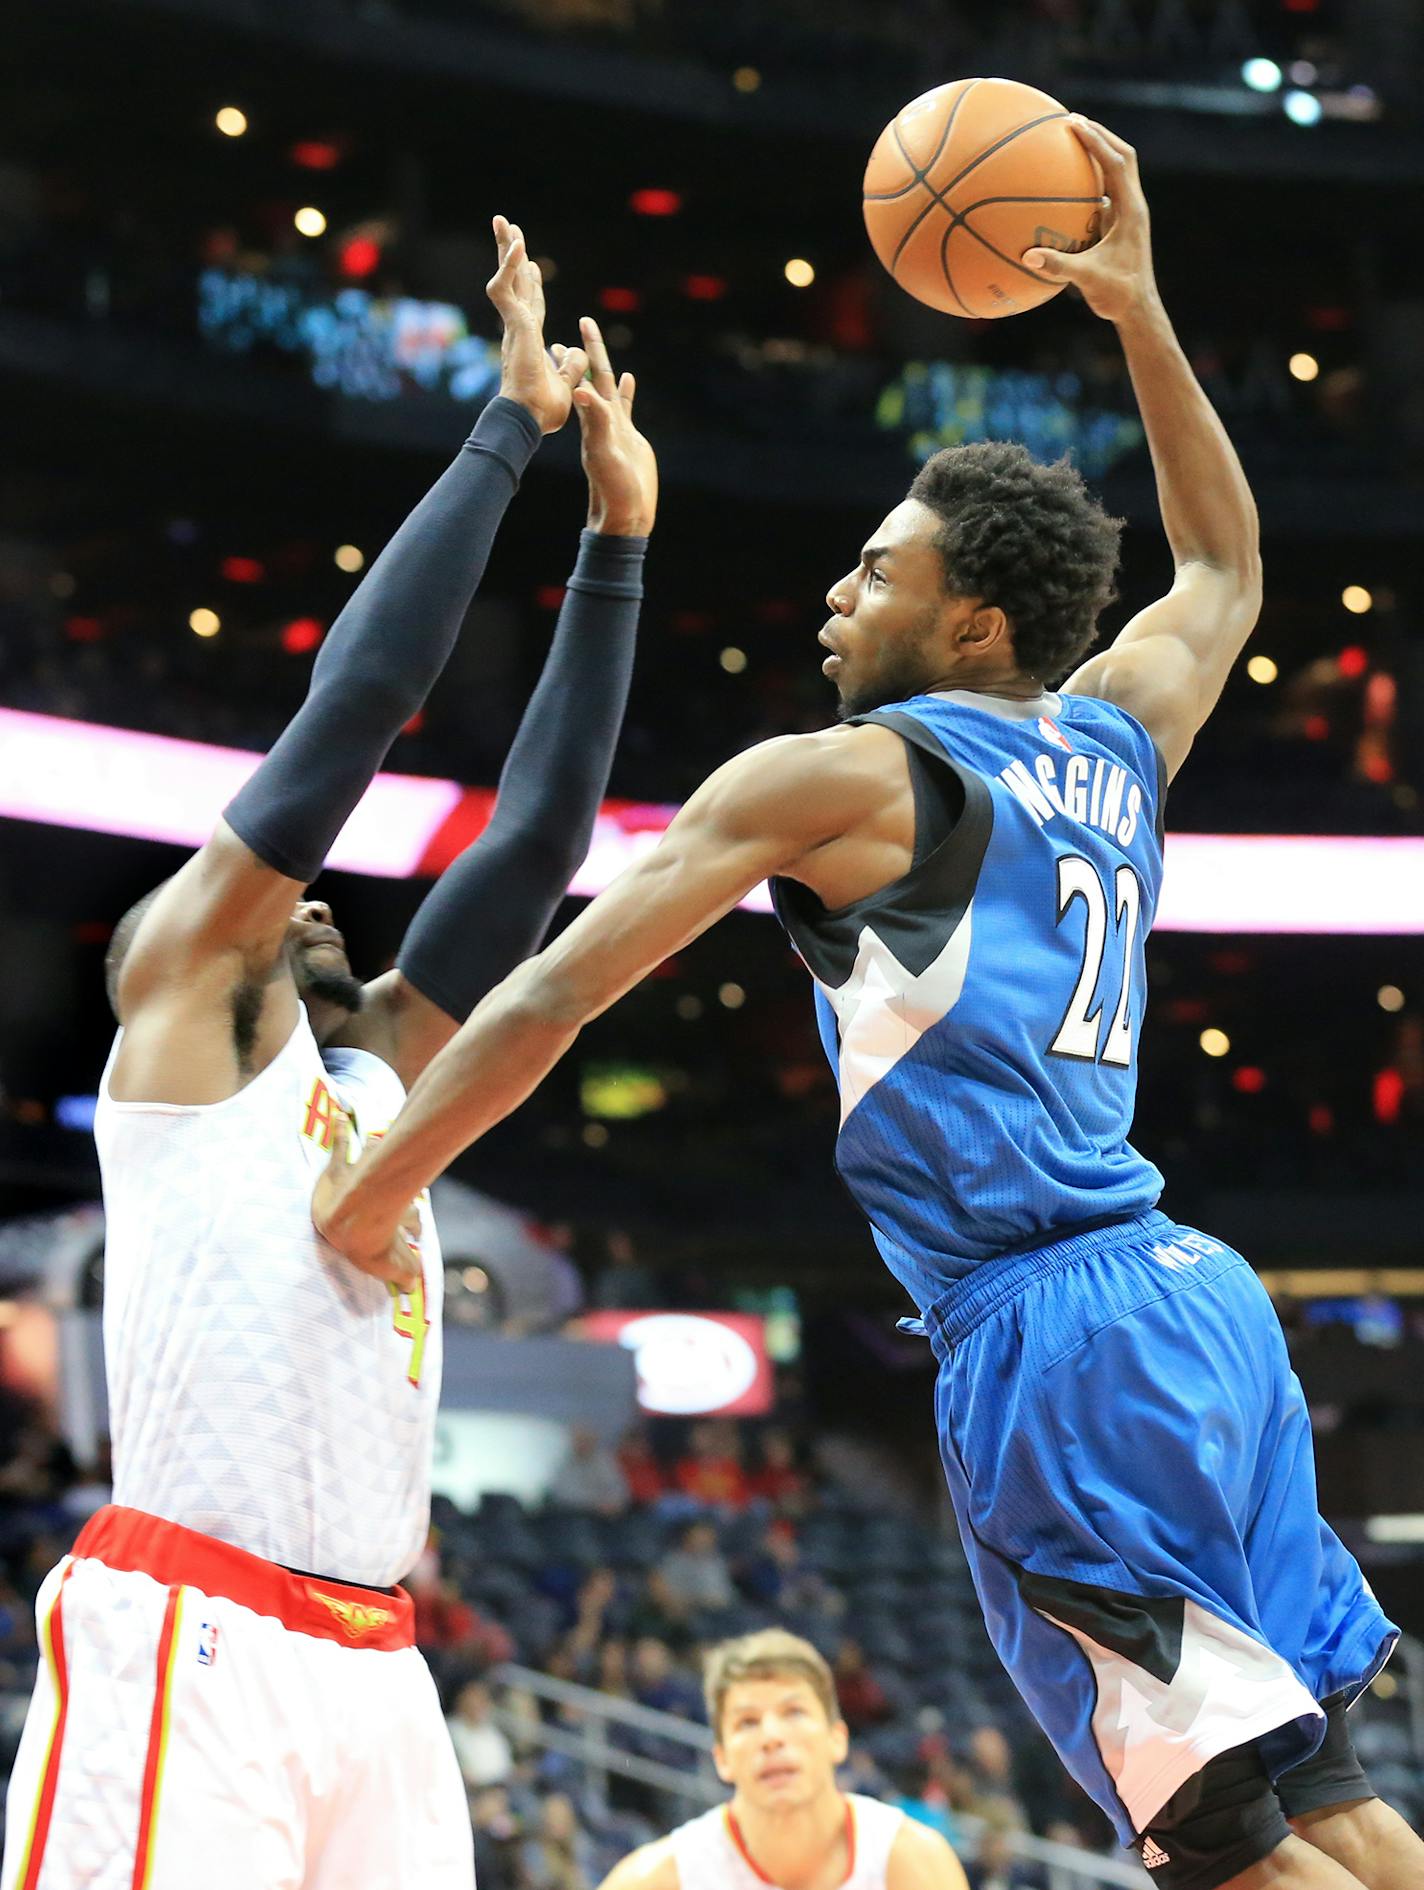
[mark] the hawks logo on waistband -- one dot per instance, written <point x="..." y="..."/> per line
<point x="354" y="1617"/>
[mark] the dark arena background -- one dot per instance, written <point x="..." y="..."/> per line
<point x="242" y="326"/>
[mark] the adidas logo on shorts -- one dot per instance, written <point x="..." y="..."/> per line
<point x="1153" y="1855"/>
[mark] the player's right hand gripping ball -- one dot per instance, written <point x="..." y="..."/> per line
<point x="967" y="177"/>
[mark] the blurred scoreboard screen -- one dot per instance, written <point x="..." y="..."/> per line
<point x="712" y="1364"/>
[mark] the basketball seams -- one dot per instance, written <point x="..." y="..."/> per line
<point x="1023" y="269"/>
<point x="1031" y="124"/>
<point x="950" y="227"/>
<point x="922" y="176"/>
<point x="890" y="196"/>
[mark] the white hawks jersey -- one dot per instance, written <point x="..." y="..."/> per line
<point x="708" y="1856"/>
<point x="261" y="1390"/>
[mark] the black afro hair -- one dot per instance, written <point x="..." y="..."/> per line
<point x="1027" y="537"/>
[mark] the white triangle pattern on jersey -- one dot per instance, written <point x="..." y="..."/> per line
<point x="882" y="1010"/>
<point x="258" y="1389"/>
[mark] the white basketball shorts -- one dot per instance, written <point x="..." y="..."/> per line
<point x="206" y="1720"/>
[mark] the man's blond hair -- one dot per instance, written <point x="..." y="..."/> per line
<point x="769" y="1654"/>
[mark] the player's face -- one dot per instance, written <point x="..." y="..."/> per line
<point x="893" y="624"/>
<point x="776" y="1746"/>
<point x="317" y="954"/>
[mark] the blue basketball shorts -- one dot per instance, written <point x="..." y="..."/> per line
<point x="1130" y="1459"/>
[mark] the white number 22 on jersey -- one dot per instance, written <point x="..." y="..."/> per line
<point x="1080" y="1030"/>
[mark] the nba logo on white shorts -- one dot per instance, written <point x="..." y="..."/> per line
<point x="208" y="1644"/>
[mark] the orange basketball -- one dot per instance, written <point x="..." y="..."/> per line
<point x="966" y="178"/>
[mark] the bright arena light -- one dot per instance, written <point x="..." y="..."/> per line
<point x="1303" y="108"/>
<point x="204" y="623"/>
<point x="1356" y="599"/>
<point x="1389" y="997"/>
<point x="799" y="273"/>
<point x="733" y="660"/>
<point x="349" y="557"/>
<point x="151" y="787"/>
<point x="309" y="220"/>
<point x="1216" y="1043"/>
<point x="231" y="122"/>
<point x="1303" y="367"/>
<point x="1262" y="75"/>
<point x="1262" y="669"/>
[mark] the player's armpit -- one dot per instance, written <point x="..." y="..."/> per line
<point x="1169" y="664"/>
<point x="921" y="1859"/>
<point x="222" y="905"/>
<point x="216" y="928"/>
<point x="651" y="1867"/>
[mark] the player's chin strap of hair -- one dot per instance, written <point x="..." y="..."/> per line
<point x="384" y="653"/>
<point x="493" y="906"/>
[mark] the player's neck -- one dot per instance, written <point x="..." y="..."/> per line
<point x="1011" y="683"/>
<point x="794" y="1848"/>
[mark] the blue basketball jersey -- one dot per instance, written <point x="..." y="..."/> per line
<point x="982" y="1013"/>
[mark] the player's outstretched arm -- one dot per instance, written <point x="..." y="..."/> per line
<point x="1169" y="665"/>
<point x="217" y="929"/>
<point x="921" y="1859"/>
<point x="769" y="811"/>
<point x="492" y="907"/>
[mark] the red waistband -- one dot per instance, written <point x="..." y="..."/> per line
<point x="134" y="1542"/>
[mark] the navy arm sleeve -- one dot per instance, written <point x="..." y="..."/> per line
<point x="384" y="653"/>
<point x="491" y="908"/>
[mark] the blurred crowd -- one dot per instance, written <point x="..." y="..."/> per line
<point x="644" y="1552"/>
<point x="734" y="1527"/>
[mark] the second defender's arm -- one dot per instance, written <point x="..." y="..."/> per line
<point x="1169" y="665"/>
<point x="493" y="905"/>
<point x="769" y="811"/>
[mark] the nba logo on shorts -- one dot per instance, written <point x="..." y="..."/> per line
<point x="208" y="1644"/>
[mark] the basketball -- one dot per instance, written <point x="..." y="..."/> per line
<point x="963" y="180"/>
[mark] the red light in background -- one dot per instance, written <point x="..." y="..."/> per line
<point x="620" y="301"/>
<point x="1329" y="321"/>
<point x="316" y="154"/>
<point x="1301" y="6"/>
<point x="691" y="623"/>
<point x="655" y="203"/>
<point x="83" y="629"/>
<point x="1248" y="1079"/>
<point x="243" y="570"/>
<point x="1321" y="1119"/>
<point x="1389" y="1095"/>
<point x="301" y="634"/>
<point x="360" y="257"/>
<point x="1353" y="660"/>
<point x="549" y="596"/>
<point x="779" y="610"/>
<point x="1315" y="728"/>
<point x="1187" y="1010"/>
<point x="415" y="724"/>
<point x="704" y="288"/>
<point x="1376" y="766"/>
